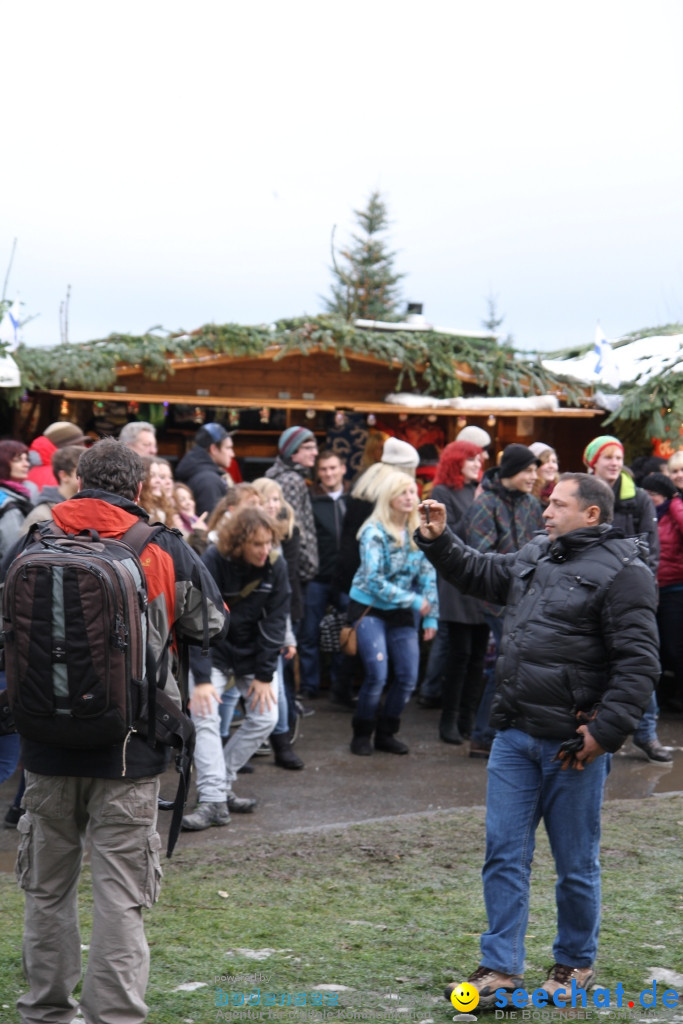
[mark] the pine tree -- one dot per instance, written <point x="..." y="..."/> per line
<point x="365" y="286"/>
<point x="493" y="320"/>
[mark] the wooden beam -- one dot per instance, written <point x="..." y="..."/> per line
<point x="322" y="406"/>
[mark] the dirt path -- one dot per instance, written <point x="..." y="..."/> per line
<point x="336" y="788"/>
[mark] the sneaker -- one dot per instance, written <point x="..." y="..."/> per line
<point x="205" y="815"/>
<point x="560" y="977"/>
<point x="302" y="711"/>
<point x="487" y="982"/>
<point x="263" y="750"/>
<point x="12" y="817"/>
<point x="240" y="804"/>
<point x="654" y="751"/>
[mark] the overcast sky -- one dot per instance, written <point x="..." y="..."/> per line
<point x="177" y="164"/>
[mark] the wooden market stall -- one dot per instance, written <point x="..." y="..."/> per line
<point x="342" y="394"/>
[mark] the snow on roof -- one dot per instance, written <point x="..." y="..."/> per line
<point x="417" y="322"/>
<point x="637" y="360"/>
<point x="535" y="403"/>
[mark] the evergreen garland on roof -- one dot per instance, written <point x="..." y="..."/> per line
<point x="657" y="402"/>
<point x="651" y="408"/>
<point x="498" y="369"/>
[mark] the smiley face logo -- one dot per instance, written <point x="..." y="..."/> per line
<point x="465" y="997"/>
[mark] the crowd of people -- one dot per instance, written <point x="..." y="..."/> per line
<point x="347" y="547"/>
<point x="385" y="565"/>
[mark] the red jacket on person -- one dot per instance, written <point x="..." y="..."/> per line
<point x="670" y="525"/>
<point x="41" y="475"/>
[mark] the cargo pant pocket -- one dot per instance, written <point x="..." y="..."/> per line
<point x="153" y="872"/>
<point x="47" y="796"/>
<point x="22" y="867"/>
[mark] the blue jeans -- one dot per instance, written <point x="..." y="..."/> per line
<point x="525" y="784"/>
<point x="341" y="666"/>
<point x="377" y="642"/>
<point x="226" y="709"/>
<point x="646" y="730"/>
<point x="9" y="755"/>
<point x="317" y="599"/>
<point x="282" y="707"/>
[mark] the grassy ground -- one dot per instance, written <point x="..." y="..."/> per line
<point x="390" y="910"/>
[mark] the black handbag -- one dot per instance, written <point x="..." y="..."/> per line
<point x="330" y="627"/>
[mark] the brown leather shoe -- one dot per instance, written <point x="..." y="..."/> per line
<point x="487" y="983"/>
<point x="560" y="977"/>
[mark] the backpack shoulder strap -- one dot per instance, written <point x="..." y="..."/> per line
<point x="46" y="528"/>
<point x="139" y="535"/>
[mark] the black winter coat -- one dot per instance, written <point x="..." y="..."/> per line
<point x="348" y="560"/>
<point x="291" y="552"/>
<point x="328" y="514"/>
<point x="454" y="606"/>
<point x="579" y="629"/>
<point x="257" y="620"/>
<point x="635" y="516"/>
<point x="205" y="479"/>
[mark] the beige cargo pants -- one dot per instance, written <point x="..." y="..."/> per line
<point x="118" y="816"/>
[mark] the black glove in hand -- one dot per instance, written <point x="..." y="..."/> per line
<point x="567" y="752"/>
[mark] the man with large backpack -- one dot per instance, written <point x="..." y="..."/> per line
<point x="108" y="793"/>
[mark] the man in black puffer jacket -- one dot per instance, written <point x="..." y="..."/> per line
<point x="578" y="661"/>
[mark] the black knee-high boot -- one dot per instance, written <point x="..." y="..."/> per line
<point x="385" y="737"/>
<point x="363" y="729"/>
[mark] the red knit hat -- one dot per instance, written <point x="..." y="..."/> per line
<point x="595" y="447"/>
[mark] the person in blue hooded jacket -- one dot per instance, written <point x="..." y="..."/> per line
<point x="392" y="589"/>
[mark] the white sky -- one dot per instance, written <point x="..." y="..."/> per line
<point x="184" y="163"/>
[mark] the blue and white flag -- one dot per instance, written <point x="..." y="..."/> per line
<point x="9" y="326"/>
<point x="606" y="367"/>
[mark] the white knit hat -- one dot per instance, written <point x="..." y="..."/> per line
<point x="400" y="454"/>
<point x="538" y="447"/>
<point x="475" y="435"/>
